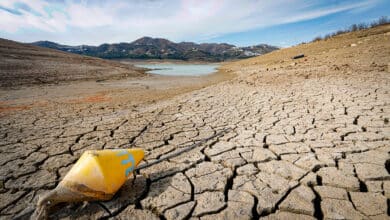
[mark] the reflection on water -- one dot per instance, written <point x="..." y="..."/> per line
<point x="172" y="69"/>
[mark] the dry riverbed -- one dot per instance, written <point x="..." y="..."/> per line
<point x="309" y="138"/>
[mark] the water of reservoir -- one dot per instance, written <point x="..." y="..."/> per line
<point x="173" y="69"/>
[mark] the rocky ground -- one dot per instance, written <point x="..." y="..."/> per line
<point x="308" y="138"/>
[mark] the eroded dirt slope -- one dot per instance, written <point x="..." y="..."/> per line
<point x="22" y="64"/>
<point x="309" y="139"/>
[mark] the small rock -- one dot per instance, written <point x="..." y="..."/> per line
<point x="298" y="56"/>
<point x="353" y="45"/>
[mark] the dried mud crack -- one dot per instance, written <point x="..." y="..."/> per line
<point x="306" y="142"/>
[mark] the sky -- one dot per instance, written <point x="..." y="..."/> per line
<point x="239" y="22"/>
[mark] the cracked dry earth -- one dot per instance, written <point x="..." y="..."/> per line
<point x="304" y="148"/>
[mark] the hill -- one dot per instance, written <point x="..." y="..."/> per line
<point x="22" y="64"/>
<point x="344" y="55"/>
<point x="159" y="48"/>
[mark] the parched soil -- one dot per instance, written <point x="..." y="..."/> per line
<point x="308" y="138"/>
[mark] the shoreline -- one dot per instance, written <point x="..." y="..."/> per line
<point x="167" y="61"/>
<point x="135" y="90"/>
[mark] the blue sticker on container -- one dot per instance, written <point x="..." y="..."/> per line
<point x="130" y="160"/>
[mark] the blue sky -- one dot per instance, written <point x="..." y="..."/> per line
<point x="240" y="22"/>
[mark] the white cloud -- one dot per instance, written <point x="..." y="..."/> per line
<point x="95" y="22"/>
<point x="83" y="16"/>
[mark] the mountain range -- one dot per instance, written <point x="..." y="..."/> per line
<point x="159" y="48"/>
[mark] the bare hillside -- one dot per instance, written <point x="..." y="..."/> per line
<point x="22" y="64"/>
<point x="362" y="53"/>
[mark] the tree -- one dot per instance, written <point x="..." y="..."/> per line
<point x="383" y="20"/>
<point x="353" y="27"/>
<point x="362" y="26"/>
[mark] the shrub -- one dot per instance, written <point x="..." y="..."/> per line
<point x="355" y="27"/>
<point x="362" y="26"/>
<point x="317" y="39"/>
<point x="383" y="20"/>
